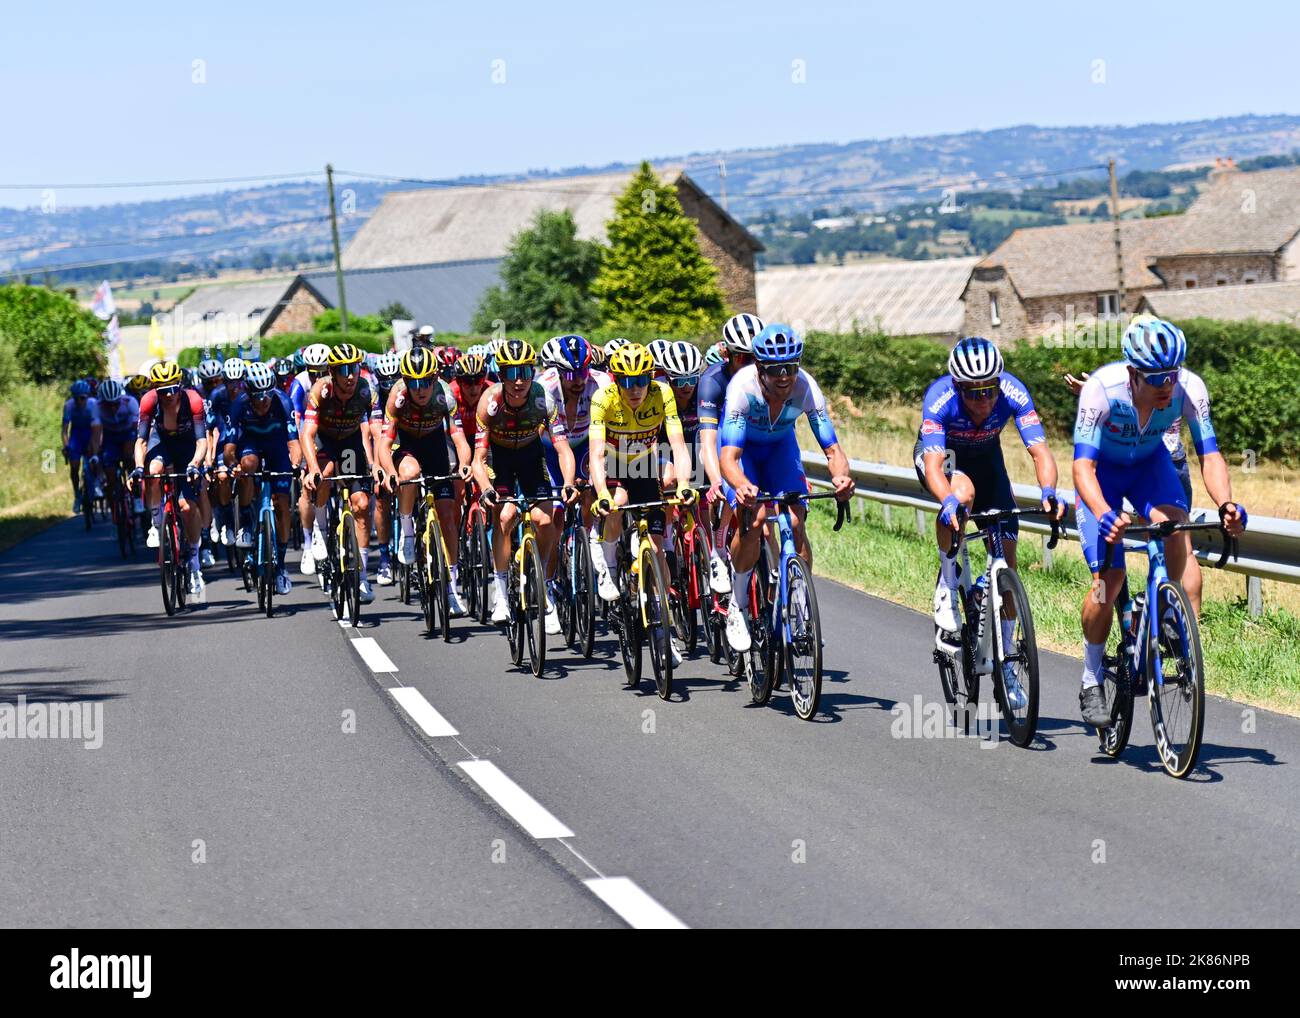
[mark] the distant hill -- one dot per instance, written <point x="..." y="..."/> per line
<point x="286" y="223"/>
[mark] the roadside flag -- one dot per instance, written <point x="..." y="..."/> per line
<point x="102" y="305"/>
<point x="156" y="348"/>
<point x="112" y="347"/>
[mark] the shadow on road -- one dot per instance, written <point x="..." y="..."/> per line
<point x="78" y="691"/>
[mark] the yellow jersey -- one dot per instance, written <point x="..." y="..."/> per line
<point x="632" y="434"/>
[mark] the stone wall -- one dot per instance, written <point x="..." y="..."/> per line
<point x="297" y="315"/>
<point x="977" y="318"/>
<point x="1206" y="268"/>
<point x="724" y="244"/>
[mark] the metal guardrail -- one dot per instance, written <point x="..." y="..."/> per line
<point x="1269" y="549"/>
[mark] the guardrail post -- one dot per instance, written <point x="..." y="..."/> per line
<point x="1048" y="554"/>
<point x="1254" y="597"/>
<point x="887" y="510"/>
<point x="920" y="522"/>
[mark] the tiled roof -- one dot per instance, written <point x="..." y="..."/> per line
<point x="902" y="298"/>
<point x="1267" y="302"/>
<point x="444" y="295"/>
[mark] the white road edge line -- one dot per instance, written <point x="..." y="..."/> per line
<point x="373" y="655"/>
<point x="422" y="712"/>
<point x="526" y="811"/>
<point x="633" y="905"/>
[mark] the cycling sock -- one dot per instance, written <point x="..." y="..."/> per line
<point x="499" y="581"/>
<point x="668" y="541"/>
<point x="610" y="551"/>
<point x="365" y="560"/>
<point x="947" y="568"/>
<point x="1092" y="653"/>
<point x="280" y="549"/>
<point x="454" y="571"/>
<point x="246" y="517"/>
<point x="740" y="589"/>
<point x="322" y="516"/>
<point x="408" y="524"/>
<point x="383" y="555"/>
<point x="194" y="557"/>
<point x="157" y="515"/>
<point x="1008" y="632"/>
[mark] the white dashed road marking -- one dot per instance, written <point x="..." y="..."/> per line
<point x="422" y="712"/>
<point x="526" y="811"/>
<point x="633" y="905"/>
<point x="373" y="655"/>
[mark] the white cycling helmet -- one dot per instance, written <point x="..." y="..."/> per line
<point x="210" y="369"/>
<point x="739" y="332"/>
<point x="657" y="348"/>
<point x="316" y="356"/>
<point x="612" y="346"/>
<point x="234" y="369"/>
<point x="551" y="354"/>
<point x="682" y="359"/>
<point x="388" y="365"/>
<point x="109" y="390"/>
<point x="260" y="377"/>
<point x="974" y="359"/>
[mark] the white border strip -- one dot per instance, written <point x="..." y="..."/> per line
<point x="633" y="905"/>
<point x="422" y="712"/>
<point x="373" y="655"/>
<point x="526" y="811"/>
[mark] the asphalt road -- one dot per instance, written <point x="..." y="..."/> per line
<point x="293" y="772"/>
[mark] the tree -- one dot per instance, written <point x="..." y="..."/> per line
<point x="395" y="310"/>
<point x="49" y="334"/>
<point x="653" y="275"/>
<point x="546" y="279"/>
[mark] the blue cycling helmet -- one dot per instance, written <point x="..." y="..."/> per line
<point x="778" y="344"/>
<point x="81" y="388"/>
<point x="573" y="351"/>
<point x="1153" y="344"/>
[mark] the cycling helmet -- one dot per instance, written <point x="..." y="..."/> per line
<point x="136" y="385"/>
<point x="631" y="359"/>
<point x="233" y="370"/>
<point x="388" y="366"/>
<point x="471" y="365"/>
<point x="316" y="357"/>
<point x="447" y="356"/>
<point x="1154" y="345"/>
<point x="344" y="353"/>
<point x="284" y="368"/>
<point x="260" y="377"/>
<point x="974" y="359"/>
<point x="165" y="373"/>
<point x="740" y="331"/>
<point x="549" y="355"/>
<point x="209" y="369"/>
<point x="80" y="387"/>
<point x="479" y="348"/>
<point x="714" y="353"/>
<point x="515" y="352"/>
<point x="419" y="362"/>
<point x="613" y="345"/>
<point x="682" y="359"/>
<point x="575" y="353"/>
<point x="598" y="359"/>
<point x="110" y="391"/>
<point x="778" y="344"/>
<point x="657" y="348"/>
<point x="298" y="363"/>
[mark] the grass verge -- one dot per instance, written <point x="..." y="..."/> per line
<point x="34" y="488"/>
<point x="1255" y="661"/>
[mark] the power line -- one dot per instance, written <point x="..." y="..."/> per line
<point x="161" y="183"/>
<point x="203" y="236"/>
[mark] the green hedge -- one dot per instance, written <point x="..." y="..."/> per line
<point x="285" y="344"/>
<point x="45" y="336"/>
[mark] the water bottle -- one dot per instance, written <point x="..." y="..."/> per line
<point x="978" y="593"/>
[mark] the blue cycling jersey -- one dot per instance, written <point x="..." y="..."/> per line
<point x="123" y="420"/>
<point x="1107" y="426"/>
<point x="83" y="416"/>
<point x="748" y="418"/>
<point x="711" y="395"/>
<point x="946" y="422"/>
<point x="277" y="424"/>
<point x="219" y="407"/>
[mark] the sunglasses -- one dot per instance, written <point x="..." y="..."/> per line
<point x="980" y="391"/>
<point x="781" y="370"/>
<point x="742" y="359"/>
<point x="473" y="379"/>
<point x="260" y="394"/>
<point x="345" y="370"/>
<point x="170" y="390"/>
<point x="686" y="381"/>
<point x="634" y="381"/>
<point x="1158" y="378"/>
<point x="418" y="384"/>
<point x="581" y="375"/>
<point x="517" y="372"/>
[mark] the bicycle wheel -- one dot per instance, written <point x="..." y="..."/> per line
<point x="180" y="567"/>
<point x="679" y="601"/>
<point x="698" y="594"/>
<point x="167" y="565"/>
<point x="267" y="552"/>
<point x="1117" y="684"/>
<point x="439" y="574"/>
<point x="803" y="651"/>
<point x="760" y="662"/>
<point x="1022" y="654"/>
<point x="627" y="619"/>
<point x="583" y="582"/>
<point x="534" y="585"/>
<point x="482" y="578"/>
<point x="87" y="501"/>
<point x="350" y="575"/>
<point x="421" y="582"/>
<point x="515" y="625"/>
<point x="1176" y="679"/>
<point x="657" y="609"/>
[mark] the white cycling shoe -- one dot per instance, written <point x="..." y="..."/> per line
<point x="384" y="576"/>
<point x="455" y="606"/>
<point x="244" y="539"/>
<point x="719" y="574"/>
<point x="737" y="629"/>
<point x="367" y="591"/>
<point x="318" y="550"/>
<point x="207" y="559"/>
<point x="673" y="650"/>
<point x="500" y="612"/>
<point x="1016" y="698"/>
<point x="605" y="584"/>
<point x="196" y="583"/>
<point x="308" y="563"/>
<point x="227" y="538"/>
<point x="283" y="585"/>
<point x="151" y="538"/>
<point x="553" y="627"/>
<point x="945" y="608"/>
<point x="406" y="550"/>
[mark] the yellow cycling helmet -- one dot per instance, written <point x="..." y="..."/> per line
<point x="515" y="353"/>
<point x="136" y="384"/>
<point x="419" y="362"/>
<point x="165" y="373"/>
<point x="632" y="359"/>
<point x="471" y="365"/>
<point x="344" y="353"/>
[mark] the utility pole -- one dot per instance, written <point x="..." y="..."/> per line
<point x="338" y="259"/>
<point x="722" y="173"/>
<point x="1119" y="247"/>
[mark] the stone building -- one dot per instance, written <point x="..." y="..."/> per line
<point x="1241" y="230"/>
<point x="464" y="224"/>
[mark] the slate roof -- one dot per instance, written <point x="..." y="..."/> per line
<point x="445" y="295"/>
<point x="1266" y="302"/>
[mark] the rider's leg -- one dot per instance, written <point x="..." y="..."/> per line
<point x="1179" y="560"/>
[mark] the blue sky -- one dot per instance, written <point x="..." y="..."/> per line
<point x="105" y="92"/>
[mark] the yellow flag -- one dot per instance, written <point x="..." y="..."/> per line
<point x="156" y="339"/>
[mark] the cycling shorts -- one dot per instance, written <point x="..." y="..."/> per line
<point x="987" y="471"/>
<point x="1148" y="483"/>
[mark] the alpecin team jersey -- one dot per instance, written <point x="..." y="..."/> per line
<point x="403" y="416"/>
<point x="1107" y="425"/>
<point x="947" y="424"/>
<point x="336" y="419"/>
<point x="515" y="427"/>
<point x="747" y="419"/>
<point x="578" y="422"/>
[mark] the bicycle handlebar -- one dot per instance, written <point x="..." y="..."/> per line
<point x="1167" y="528"/>
<point x="790" y="498"/>
<point x="991" y="516"/>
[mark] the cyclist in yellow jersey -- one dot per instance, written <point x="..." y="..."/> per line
<point x="625" y="422"/>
